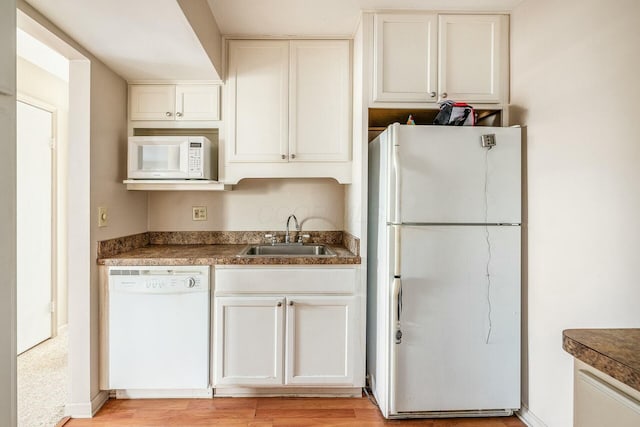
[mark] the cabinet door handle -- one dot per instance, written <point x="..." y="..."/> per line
<point x="293" y="156"/>
<point x="279" y="304"/>
<point x="168" y="114"/>
<point x="290" y="302"/>
<point x="432" y="94"/>
<point x="283" y="156"/>
<point x="178" y="114"/>
<point x="444" y="95"/>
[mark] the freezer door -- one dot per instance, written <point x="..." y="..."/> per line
<point x="460" y="320"/>
<point x="443" y="175"/>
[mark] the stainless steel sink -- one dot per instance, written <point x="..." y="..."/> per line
<point x="287" y="251"/>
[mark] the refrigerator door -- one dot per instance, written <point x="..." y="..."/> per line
<point x="443" y="175"/>
<point x="460" y="320"/>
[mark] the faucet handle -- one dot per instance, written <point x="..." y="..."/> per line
<point x="272" y="238"/>
<point x="301" y="237"/>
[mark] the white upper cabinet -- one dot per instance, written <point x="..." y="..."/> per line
<point x="423" y="58"/>
<point x="289" y="109"/>
<point x="197" y="102"/>
<point x="152" y="102"/>
<point x="471" y="51"/>
<point x="405" y="58"/>
<point x="174" y="102"/>
<point x="258" y="80"/>
<point x="320" y="113"/>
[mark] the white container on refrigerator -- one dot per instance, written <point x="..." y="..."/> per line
<point x="444" y="271"/>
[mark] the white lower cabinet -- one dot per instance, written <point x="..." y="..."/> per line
<point x="249" y="340"/>
<point x="268" y="335"/>
<point x="313" y="336"/>
<point x="600" y="400"/>
<point x="320" y="340"/>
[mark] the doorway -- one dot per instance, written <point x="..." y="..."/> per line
<point x="42" y="123"/>
<point x="35" y="219"/>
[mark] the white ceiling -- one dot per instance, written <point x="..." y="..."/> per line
<point x="152" y="39"/>
<point x="138" y="39"/>
<point x="324" y="17"/>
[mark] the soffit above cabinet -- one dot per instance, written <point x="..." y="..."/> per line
<point x="139" y="40"/>
<point x="325" y="17"/>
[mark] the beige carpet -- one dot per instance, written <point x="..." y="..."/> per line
<point x="42" y="383"/>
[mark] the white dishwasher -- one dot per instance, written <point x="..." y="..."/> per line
<point x="158" y="330"/>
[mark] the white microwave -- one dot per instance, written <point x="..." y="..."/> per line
<point x="171" y="157"/>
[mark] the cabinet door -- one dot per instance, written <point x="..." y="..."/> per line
<point x="472" y="57"/>
<point x="197" y="102"/>
<point x="405" y="57"/>
<point x="258" y="81"/>
<point x="248" y="340"/>
<point x="152" y="102"/>
<point x="321" y="339"/>
<point x="598" y="403"/>
<point x="319" y="100"/>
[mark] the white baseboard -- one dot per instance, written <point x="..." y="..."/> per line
<point x="86" y="409"/>
<point x="288" y="392"/>
<point x="98" y="401"/>
<point x="165" y="394"/>
<point x="529" y="418"/>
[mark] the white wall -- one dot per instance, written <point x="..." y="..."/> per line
<point x="254" y="204"/>
<point x="97" y="153"/>
<point x="355" y="216"/>
<point x="39" y="84"/>
<point x="8" y="214"/>
<point x="575" y="68"/>
<point x="127" y="210"/>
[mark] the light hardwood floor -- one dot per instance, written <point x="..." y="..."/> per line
<point x="262" y="412"/>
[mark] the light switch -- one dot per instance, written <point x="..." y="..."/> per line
<point x="199" y="213"/>
<point x="102" y="217"/>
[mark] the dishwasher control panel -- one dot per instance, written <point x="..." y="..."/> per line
<point x="159" y="279"/>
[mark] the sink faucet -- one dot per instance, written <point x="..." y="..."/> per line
<point x="286" y="235"/>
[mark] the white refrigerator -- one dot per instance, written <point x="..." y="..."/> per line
<point x="443" y="322"/>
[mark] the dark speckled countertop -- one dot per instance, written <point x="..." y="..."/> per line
<point x="216" y="254"/>
<point x="616" y="352"/>
<point x="217" y="247"/>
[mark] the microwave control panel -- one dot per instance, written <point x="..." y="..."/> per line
<point x="195" y="159"/>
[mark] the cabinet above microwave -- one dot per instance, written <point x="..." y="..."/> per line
<point x="185" y="102"/>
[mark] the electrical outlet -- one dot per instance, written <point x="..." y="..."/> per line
<point x="102" y="217"/>
<point x="489" y="140"/>
<point x="199" y="213"/>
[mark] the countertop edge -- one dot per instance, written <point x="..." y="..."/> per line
<point x="157" y="257"/>
<point x="601" y="362"/>
<point x="230" y="261"/>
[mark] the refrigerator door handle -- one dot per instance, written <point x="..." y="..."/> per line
<point x="397" y="296"/>
<point x="397" y="175"/>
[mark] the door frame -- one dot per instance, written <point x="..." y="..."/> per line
<point x="37" y="103"/>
